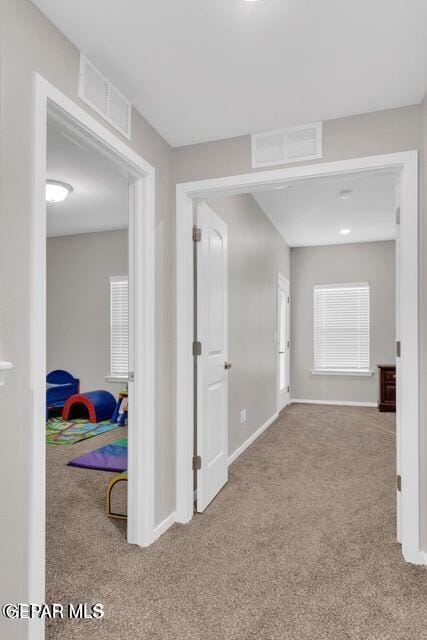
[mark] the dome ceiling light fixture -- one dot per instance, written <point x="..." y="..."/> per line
<point x="345" y="231"/>
<point x="57" y="191"/>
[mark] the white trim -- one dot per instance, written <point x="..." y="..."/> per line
<point x="344" y="403"/>
<point x="282" y="398"/>
<point x="342" y="372"/>
<point x="405" y="162"/>
<point x="398" y="402"/>
<point x="184" y="370"/>
<point x="117" y="379"/>
<point x="251" y="439"/>
<point x="164" y="526"/>
<point x="48" y="100"/>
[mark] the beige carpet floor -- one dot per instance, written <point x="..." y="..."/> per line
<point x="299" y="545"/>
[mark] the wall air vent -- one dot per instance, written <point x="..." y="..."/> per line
<point x="295" y="144"/>
<point x="103" y="97"/>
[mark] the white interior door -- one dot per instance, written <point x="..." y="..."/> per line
<point x="212" y="365"/>
<point x="283" y="342"/>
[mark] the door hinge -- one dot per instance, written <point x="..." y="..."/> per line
<point x="197" y="234"/>
<point x="398" y="349"/>
<point x="197" y="348"/>
<point x="288" y="300"/>
<point x="398" y="215"/>
<point x="131" y="376"/>
<point x="197" y="463"/>
<point x="287" y="388"/>
<point x="289" y="344"/>
<point x="399" y="483"/>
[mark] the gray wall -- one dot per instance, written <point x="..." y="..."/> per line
<point x="372" y="262"/>
<point x="29" y="42"/>
<point x="78" y="304"/>
<point x="256" y="254"/>
<point x="363" y="135"/>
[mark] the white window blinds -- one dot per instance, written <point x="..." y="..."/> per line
<point x="341" y="327"/>
<point x="119" y="316"/>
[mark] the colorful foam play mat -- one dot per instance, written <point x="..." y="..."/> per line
<point x="111" y="457"/>
<point x="69" y="432"/>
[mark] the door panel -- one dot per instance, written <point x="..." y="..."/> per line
<point x="212" y="377"/>
<point x="283" y="344"/>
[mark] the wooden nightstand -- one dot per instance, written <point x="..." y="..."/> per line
<point x="387" y="374"/>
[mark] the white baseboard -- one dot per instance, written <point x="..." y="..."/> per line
<point x="251" y="439"/>
<point x="163" y="526"/>
<point x="345" y="403"/>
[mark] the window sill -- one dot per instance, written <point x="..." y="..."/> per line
<point x="342" y="372"/>
<point x="119" y="379"/>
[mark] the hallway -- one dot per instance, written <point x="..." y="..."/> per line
<point x="299" y="545"/>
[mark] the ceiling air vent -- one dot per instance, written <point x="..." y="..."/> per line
<point x="103" y="97"/>
<point x="294" y="144"/>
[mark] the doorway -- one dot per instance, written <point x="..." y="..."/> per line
<point x="406" y="165"/>
<point x="50" y="105"/>
<point x="283" y="342"/>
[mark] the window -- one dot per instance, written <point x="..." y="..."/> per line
<point x="341" y="328"/>
<point x="119" y="318"/>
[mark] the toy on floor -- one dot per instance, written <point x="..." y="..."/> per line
<point x="96" y="405"/>
<point x="64" y="432"/>
<point x="122" y="477"/>
<point x="111" y="457"/>
<point x="60" y="385"/>
<point x="120" y="414"/>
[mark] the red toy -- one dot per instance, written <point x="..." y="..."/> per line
<point x="96" y="405"/>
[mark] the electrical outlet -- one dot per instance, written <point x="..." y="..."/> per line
<point x="243" y="416"/>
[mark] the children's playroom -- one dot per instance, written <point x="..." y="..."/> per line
<point x="87" y="350"/>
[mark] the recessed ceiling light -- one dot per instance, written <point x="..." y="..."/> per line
<point x="345" y="194"/>
<point x="345" y="231"/>
<point x="57" y="191"/>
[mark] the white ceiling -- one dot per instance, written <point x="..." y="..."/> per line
<point x="201" y="70"/>
<point x="312" y="214"/>
<point x="99" y="200"/>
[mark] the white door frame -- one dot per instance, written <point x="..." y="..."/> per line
<point x="281" y="280"/>
<point x="398" y="364"/>
<point x="407" y="164"/>
<point x="50" y="102"/>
